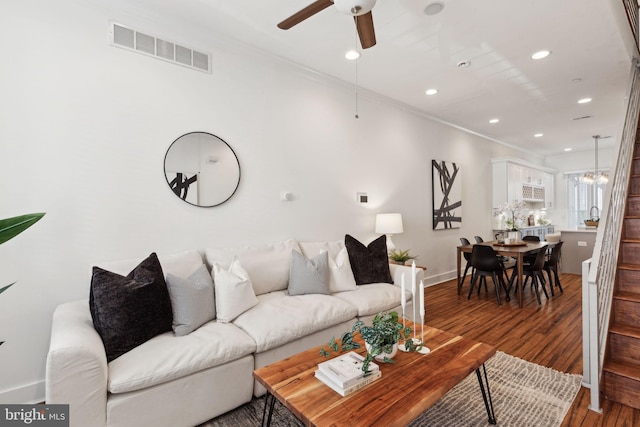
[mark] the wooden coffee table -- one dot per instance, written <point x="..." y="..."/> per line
<point x="407" y="388"/>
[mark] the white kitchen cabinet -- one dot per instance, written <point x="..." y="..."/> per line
<point x="549" y="191"/>
<point x="516" y="180"/>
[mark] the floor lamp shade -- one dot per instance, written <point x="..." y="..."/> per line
<point x="389" y="224"/>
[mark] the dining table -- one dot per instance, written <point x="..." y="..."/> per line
<point x="515" y="250"/>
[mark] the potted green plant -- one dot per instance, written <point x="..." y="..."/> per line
<point x="400" y="257"/>
<point x="381" y="339"/>
<point x="11" y="227"/>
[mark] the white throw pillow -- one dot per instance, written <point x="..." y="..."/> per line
<point x="340" y="274"/>
<point x="192" y="300"/>
<point x="234" y="291"/>
<point x="267" y="265"/>
<point x="311" y="249"/>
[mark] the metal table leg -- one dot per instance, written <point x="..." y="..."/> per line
<point x="486" y="395"/>
<point x="270" y="401"/>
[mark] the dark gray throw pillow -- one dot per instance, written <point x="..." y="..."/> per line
<point x="127" y="311"/>
<point x="370" y="264"/>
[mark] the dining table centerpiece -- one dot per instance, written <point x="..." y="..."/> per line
<point x="511" y="212"/>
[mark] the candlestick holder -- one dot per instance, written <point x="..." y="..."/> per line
<point x="424" y="349"/>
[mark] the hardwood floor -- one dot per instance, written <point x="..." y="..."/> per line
<point x="549" y="334"/>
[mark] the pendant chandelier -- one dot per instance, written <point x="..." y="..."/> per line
<point x="595" y="177"/>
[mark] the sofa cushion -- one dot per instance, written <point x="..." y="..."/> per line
<point x="267" y="265"/>
<point x="370" y="263"/>
<point x="280" y="318"/>
<point x="234" y="292"/>
<point x="192" y="301"/>
<point x="308" y="276"/>
<point x="374" y="298"/>
<point x="340" y="273"/>
<point x="180" y="264"/>
<point x="167" y="357"/>
<point x="311" y="249"/>
<point x="127" y="311"/>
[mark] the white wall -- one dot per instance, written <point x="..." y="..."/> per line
<point x="84" y="127"/>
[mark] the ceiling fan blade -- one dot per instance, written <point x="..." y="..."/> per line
<point x="305" y="13"/>
<point x="364" y="25"/>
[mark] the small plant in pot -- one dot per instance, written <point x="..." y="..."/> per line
<point x="381" y="339"/>
<point x="400" y="257"/>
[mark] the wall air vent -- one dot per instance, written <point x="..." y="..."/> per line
<point x="128" y="38"/>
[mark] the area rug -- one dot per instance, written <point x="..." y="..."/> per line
<point x="524" y="394"/>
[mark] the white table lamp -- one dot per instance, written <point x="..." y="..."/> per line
<point x="389" y="224"/>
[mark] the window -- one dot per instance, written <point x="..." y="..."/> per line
<point x="582" y="197"/>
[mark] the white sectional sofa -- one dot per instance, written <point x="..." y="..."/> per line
<point x="186" y="380"/>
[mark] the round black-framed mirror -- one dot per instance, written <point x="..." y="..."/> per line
<point x="202" y="169"/>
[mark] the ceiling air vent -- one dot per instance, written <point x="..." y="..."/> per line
<point x="127" y="38"/>
<point x="581" y="118"/>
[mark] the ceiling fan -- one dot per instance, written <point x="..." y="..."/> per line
<point x="359" y="9"/>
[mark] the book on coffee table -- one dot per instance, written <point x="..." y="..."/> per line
<point x="351" y="389"/>
<point x="346" y="370"/>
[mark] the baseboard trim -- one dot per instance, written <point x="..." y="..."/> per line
<point x="28" y="394"/>
<point x="440" y="278"/>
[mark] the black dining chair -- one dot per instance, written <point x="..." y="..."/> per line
<point x="486" y="262"/>
<point x="534" y="272"/>
<point x="529" y="259"/>
<point x="552" y="265"/>
<point x="467" y="257"/>
<point x="478" y="239"/>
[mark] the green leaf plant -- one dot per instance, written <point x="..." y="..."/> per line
<point x="384" y="332"/>
<point x="11" y="227"/>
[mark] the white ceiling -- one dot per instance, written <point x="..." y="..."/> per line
<point x="589" y="41"/>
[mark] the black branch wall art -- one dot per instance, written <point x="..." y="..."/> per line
<point x="447" y="195"/>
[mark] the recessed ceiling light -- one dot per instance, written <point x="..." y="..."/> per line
<point x="494" y="121"/>
<point x="434" y="8"/>
<point x="352" y="54"/>
<point x="568" y="149"/>
<point x="541" y="54"/>
<point x="538" y="135"/>
<point x="584" y="100"/>
<point x="431" y="91"/>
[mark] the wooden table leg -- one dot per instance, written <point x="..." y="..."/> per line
<point x="458" y="270"/>
<point x="520" y="284"/>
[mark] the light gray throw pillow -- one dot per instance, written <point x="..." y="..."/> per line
<point x="192" y="301"/>
<point x="309" y="276"/>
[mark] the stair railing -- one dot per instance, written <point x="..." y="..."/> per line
<point x="599" y="272"/>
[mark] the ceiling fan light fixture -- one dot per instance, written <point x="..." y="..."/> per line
<point x="354" y="7"/>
